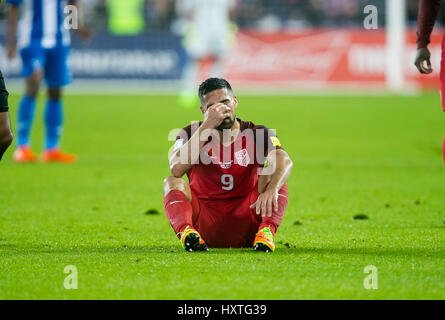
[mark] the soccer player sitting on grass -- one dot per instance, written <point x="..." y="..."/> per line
<point x="236" y="196"/>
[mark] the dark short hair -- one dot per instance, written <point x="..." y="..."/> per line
<point x="212" y="84"/>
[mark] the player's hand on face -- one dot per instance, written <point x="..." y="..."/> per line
<point x="423" y="56"/>
<point x="216" y="114"/>
<point x="267" y="203"/>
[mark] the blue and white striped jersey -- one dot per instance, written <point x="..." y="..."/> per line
<point x="42" y="23"/>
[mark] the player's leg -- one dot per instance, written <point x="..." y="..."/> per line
<point x="57" y="75"/>
<point x="53" y="118"/>
<point x="275" y="220"/>
<point x="179" y="211"/>
<point x="277" y="217"/>
<point x="264" y="239"/>
<point x="32" y="61"/>
<point x="177" y="203"/>
<point x="233" y="224"/>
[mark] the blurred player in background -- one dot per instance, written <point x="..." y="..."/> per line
<point x="125" y="17"/>
<point x="427" y="15"/>
<point x="231" y="200"/>
<point x="5" y="128"/>
<point x="44" y="45"/>
<point x="208" y="33"/>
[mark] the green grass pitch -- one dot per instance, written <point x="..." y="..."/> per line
<point x="375" y="156"/>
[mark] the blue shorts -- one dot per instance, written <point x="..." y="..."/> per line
<point x="54" y="63"/>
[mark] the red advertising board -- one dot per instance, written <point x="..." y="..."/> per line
<point x="348" y="58"/>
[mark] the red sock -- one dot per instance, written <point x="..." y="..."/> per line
<point x="178" y="210"/>
<point x="274" y="222"/>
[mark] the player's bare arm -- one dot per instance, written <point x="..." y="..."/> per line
<point x="214" y="115"/>
<point x="5" y="133"/>
<point x="268" y="199"/>
<point x="428" y="10"/>
<point x="13" y="18"/>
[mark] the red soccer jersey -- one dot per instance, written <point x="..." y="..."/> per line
<point x="229" y="172"/>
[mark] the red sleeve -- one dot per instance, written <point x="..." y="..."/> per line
<point x="266" y="140"/>
<point x="428" y="10"/>
<point x="186" y="133"/>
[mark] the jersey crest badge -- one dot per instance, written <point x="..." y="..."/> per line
<point x="242" y="157"/>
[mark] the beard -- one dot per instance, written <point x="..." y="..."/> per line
<point x="226" y="124"/>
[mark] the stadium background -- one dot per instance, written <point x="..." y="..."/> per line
<point x="289" y="44"/>
<point x="366" y="188"/>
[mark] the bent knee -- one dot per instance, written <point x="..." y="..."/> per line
<point x="54" y="93"/>
<point x="173" y="183"/>
<point x="170" y="181"/>
<point x="33" y="84"/>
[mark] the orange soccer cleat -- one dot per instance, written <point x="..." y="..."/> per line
<point x="56" y="155"/>
<point x="264" y="241"/>
<point x="191" y="240"/>
<point x="24" y="154"/>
